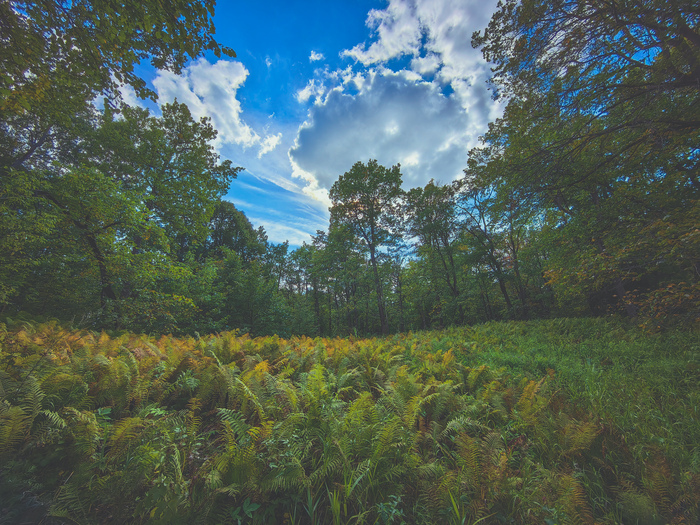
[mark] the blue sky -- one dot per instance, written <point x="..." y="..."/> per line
<point x="317" y="86"/>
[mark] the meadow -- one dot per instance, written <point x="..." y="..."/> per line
<point x="552" y="421"/>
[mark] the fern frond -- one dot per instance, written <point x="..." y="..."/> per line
<point x="68" y="504"/>
<point x="463" y="423"/>
<point x="14" y="427"/>
<point x="387" y="436"/>
<point x="579" y="437"/>
<point x="658" y="479"/>
<point x="236" y="423"/>
<point x="32" y="396"/>
<point x="194" y="422"/>
<point x="250" y="396"/>
<point x="468" y="451"/>
<point x="572" y="499"/>
<point x="123" y="433"/>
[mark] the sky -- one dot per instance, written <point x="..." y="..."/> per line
<point x="317" y="86"/>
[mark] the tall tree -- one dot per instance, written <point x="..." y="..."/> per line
<point x="366" y="198"/>
<point x="603" y="57"/>
<point x="56" y="57"/>
<point x="230" y="228"/>
<point x="137" y="192"/>
<point x="431" y="217"/>
<point x="78" y="48"/>
<point x="601" y="131"/>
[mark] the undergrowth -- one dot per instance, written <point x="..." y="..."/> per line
<point x="559" y="421"/>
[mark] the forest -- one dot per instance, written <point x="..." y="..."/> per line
<point x="518" y="345"/>
<point x="582" y="199"/>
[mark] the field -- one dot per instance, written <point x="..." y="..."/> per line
<point x="557" y="421"/>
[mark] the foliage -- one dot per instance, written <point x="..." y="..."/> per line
<point x="76" y="50"/>
<point x="366" y="199"/>
<point x="599" y="138"/>
<point x="564" y="421"/>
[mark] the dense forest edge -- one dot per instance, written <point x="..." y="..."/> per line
<point x="551" y="421"/>
<point x="582" y="199"/>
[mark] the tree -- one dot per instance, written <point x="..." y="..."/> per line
<point x="169" y="161"/>
<point x="77" y="49"/>
<point x="56" y="57"/>
<point x="432" y="218"/>
<point x="601" y="58"/>
<point x="600" y="133"/>
<point x="366" y="198"/>
<point x="129" y="202"/>
<point x="230" y="228"/>
<point x="485" y="236"/>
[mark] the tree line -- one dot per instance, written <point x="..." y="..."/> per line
<point x="582" y="199"/>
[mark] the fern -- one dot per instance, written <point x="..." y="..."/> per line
<point x="658" y="480"/>
<point x="123" y="434"/>
<point x="68" y="504"/>
<point x="249" y="396"/>
<point x="579" y="437"/>
<point x="14" y="427"/>
<point x="468" y="454"/>
<point x="463" y="423"/>
<point x="32" y="396"/>
<point x="236" y="423"/>
<point x="572" y="499"/>
<point x="193" y="421"/>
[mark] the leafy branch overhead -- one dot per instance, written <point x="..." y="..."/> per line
<point x="92" y="47"/>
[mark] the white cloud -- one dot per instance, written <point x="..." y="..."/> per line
<point x="269" y="143"/>
<point x="312" y="187"/>
<point x="426" y="117"/>
<point x="394" y="119"/>
<point x="315" y="57"/>
<point x="398" y="31"/>
<point x="278" y="233"/>
<point x="313" y="89"/>
<point x="210" y="90"/>
<point x="426" y="65"/>
<point x="129" y="96"/>
<point x="436" y="33"/>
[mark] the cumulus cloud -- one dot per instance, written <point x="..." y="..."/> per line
<point x="313" y="89"/>
<point x="425" y="117"/>
<point x="394" y="119"/>
<point x="315" y="57"/>
<point x="436" y="33"/>
<point x="210" y="90"/>
<point x="398" y="33"/>
<point x="426" y="65"/>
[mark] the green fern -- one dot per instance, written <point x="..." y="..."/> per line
<point x="14" y="427"/>
<point x="122" y="436"/>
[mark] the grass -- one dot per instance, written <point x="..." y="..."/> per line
<point x="555" y="421"/>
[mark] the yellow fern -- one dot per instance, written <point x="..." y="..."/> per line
<point x="572" y="499"/>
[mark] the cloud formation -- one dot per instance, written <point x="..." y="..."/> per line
<point x="425" y="113"/>
<point x="393" y="118"/>
<point x="313" y="89"/>
<point x="315" y="57"/>
<point x="436" y="33"/>
<point x="210" y="90"/>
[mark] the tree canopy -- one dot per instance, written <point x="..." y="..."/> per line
<point x="581" y="199"/>
<point x="79" y="48"/>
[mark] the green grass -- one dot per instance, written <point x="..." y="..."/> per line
<point x="557" y="421"/>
